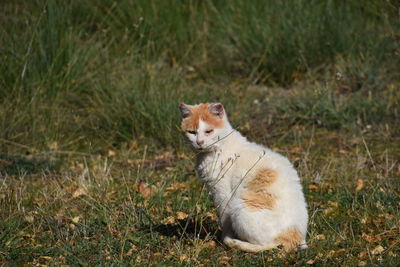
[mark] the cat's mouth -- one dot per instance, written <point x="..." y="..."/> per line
<point x="203" y="148"/>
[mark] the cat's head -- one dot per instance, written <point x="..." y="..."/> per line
<point x="204" y="124"/>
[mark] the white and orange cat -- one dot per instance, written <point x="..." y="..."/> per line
<point x="257" y="191"/>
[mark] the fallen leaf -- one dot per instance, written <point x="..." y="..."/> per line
<point x="131" y="250"/>
<point x="312" y="187"/>
<point x="143" y="189"/>
<point x="377" y="250"/>
<point x="320" y="237"/>
<point x="362" y="255"/>
<point x="53" y="145"/>
<point x="333" y="203"/>
<point x="175" y="187"/>
<point x="362" y="263"/>
<point x="165" y="155"/>
<point x="79" y="192"/>
<point x="156" y="255"/>
<point x="29" y="218"/>
<point x="138" y="258"/>
<point x="168" y="209"/>
<point x="370" y="238"/>
<point x="296" y="149"/>
<point x="328" y="211"/>
<point x="46" y="258"/>
<point x="211" y="244"/>
<point x="76" y="219"/>
<point x="181" y="215"/>
<point x="183" y="257"/>
<point x="182" y="155"/>
<point x="211" y="216"/>
<point x="310" y="262"/>
<point x="169" y="219"/>
<point x="111" y="153"/>
<point x="224" y="260"/>
<point x="359" y="184"/>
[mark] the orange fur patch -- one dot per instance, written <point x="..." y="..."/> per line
<point x="255" y="196"/>
<point x="201" y="112"/>
<point x="258" y="200"/>
<point x="263" y="179"/>
<point x="290" y="239"/>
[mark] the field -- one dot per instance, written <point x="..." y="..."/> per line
<point x="94" y="169"/>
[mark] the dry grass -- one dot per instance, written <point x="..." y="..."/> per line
<point x="93" y="169"/>
<point x="135" y="206"/>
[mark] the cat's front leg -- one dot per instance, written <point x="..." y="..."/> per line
<point x="226" y="228"/>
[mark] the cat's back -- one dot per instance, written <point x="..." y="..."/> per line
<point x="269" y="188"/>
<point x="256" y="156"/>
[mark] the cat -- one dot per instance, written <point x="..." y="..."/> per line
<point x="257" y="191"/>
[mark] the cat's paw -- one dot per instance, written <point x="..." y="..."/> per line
<point x="230" y="242"/>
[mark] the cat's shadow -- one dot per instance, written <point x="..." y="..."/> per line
<point x="190" y="228"/>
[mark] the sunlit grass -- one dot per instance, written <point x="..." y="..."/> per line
<point x="93" y="169"/>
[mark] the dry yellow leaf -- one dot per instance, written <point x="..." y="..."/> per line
<point x="310" y="262"/>
<point x="211" y="216"/>
<point x="181" y="215"/>
<point x="156" y="255"/>
<point x="111" y="153"/>
<point x="138" y="259"/>
<point x="368" y="238"/>
<point x="313" y="187"/>
<point x="169" y="219"/>
<point x="29" y="218"/>
<point x="362" y="255"/>
<point x="131" y="250"/>
<point x="183" y="257"/>
<point x="168" y="209"/>
<point x="377" y="250"/>
<point x="296" y="149"/>
<point x="320" y="237"/>
<point x="76" y="219"/>
<point x="176" y="187"/>
<point x="224" y="260"/>
<point x="333" y="203"/>
<point x="143" y="189"/>
<point x="53" y="145"/>
<point x="359" y="184"/>
<point x="362" y="263"/>
<point x="79" y="192"/>
<point x="328" y="211"/>
<point x="211" y="244"/>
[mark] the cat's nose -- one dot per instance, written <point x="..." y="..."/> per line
<point x="200" y="142"/>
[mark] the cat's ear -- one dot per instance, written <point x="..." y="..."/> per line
<point x="185" y="110"/>
<point x="217" y="109"/>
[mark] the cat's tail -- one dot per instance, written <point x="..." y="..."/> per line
<point x="249" y="247"/>
<point x="246" y="246"/>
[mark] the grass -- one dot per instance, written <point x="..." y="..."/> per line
<point x="93" y="168"/>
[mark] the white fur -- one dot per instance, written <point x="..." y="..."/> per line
<point x="226" y="165"/>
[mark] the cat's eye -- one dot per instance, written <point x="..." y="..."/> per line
<point x="209" y="131"/>
<point x="192" y="132"/>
